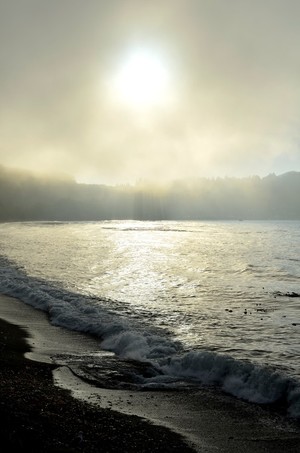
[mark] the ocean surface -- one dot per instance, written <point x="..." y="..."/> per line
<point x="173" y="304"/>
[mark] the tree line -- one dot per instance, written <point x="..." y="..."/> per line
<point x="25" y="197"/>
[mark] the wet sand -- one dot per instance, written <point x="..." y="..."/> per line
<point x="36" y="416"/>
<point x="35" y="411"/>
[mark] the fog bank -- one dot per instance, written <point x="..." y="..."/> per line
<point x="25" y="197"/>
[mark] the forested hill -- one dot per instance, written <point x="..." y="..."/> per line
<point x="27" y="197"/>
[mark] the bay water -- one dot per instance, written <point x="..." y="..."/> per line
<point x="172" y="304"/>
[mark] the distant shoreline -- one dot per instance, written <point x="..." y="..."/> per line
<point x="27" y="197"/>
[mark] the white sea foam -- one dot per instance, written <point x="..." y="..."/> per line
<point x="239" y="378"/>
<point x="132" y="339"/>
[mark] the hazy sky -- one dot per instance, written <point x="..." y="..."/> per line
<point x="112" y="91"/>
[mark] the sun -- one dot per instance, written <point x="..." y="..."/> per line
<point x="142" y="80"/>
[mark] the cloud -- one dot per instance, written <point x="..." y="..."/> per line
<point x="235" y="69"/>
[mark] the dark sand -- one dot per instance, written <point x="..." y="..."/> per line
<point x="37" y="416"/>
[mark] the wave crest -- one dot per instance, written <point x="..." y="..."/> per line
<point x="132" y="340"/>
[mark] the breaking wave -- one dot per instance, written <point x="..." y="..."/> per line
<point x="132" y="339"/>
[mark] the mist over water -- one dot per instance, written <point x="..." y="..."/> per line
<point x="30" y="197"/>
<point x="207" y="302"/>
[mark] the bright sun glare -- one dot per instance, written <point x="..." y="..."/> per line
<point x="142" y="80"/>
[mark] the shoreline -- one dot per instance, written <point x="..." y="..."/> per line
<point x="162" y="421"/>
<point x="38" y="416"/>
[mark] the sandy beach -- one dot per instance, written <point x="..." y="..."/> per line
<point x="71" y="415"/>
<point x="36" y="416"/>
